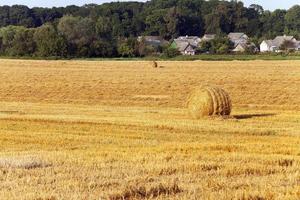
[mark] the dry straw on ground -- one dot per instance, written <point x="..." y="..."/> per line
<point x="142" y="192"/>
<point x="208" y="101"/>
<point x="25" y="162"/>
<point x="86" y="118"/>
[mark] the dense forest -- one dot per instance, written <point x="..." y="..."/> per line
<point x="111" y="29"/>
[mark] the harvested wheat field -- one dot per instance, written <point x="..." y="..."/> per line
<point x="120" y="130"/>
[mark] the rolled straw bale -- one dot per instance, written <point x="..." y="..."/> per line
<point x="208" y="101"/>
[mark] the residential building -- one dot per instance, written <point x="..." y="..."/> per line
<point x="187" y="45"/>
<point x="242" y="47"/>
<point x="241" y="42"/>
<point x="208" y="37"/>
<point x="275" y="45"/>
<point x="152" y="40"/>
<point x="238" y="38"/>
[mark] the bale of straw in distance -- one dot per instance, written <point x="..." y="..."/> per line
<point x="154" y="64"/>
<point x="208" y="101"/>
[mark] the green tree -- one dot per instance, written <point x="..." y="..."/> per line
<point x="23" y="43"/>
<point x="21" y="15"/>
<point x="7" y="35"/>
<point x="103" y="48"/>
<point x="273" y="23"/>
<point x="125" y="50"/>
<point x="292" y="20"/>
<point x="80" y="34"/>
<point x="104" y="28"/>
<point x="287" y="45"/>
<point x="4" y="16"/>
<point x="204" y="46"/>
<point x="219" y="45"/>
<point x="45" y="15"/>
<point x="156" y="24"/>
<point x="87" y="30"/>
<point x="171" y="52"/>
<point x="17" y="41"/>
<point x="49" y="42"/>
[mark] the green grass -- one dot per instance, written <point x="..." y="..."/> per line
<point x="207" y="57"/>
<point x="230" y="57"/>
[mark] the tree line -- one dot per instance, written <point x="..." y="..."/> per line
<point x="111" y="29"/>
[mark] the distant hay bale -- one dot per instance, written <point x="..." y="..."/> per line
<point x="209" y="101"/>
<point x="154" y="64"/>
<point x="150" y="97"/>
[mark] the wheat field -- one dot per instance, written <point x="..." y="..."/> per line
<point x="120" y="130"/>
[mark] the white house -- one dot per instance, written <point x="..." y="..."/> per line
<point x="267" y="46"/>
<point x="274" y="45"/>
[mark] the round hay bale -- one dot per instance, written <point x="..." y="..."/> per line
<point x="208" y="101"/>
<point x="154" y="64"/>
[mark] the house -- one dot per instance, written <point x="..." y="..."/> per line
<point x="155" y="41"/>
<point x="238" y="38"/>
<point x="208" y="37"/>
<point x="184" y="47"/>
<point x="242" y="47"/>
<point x="297" y="46"/>
<point x="267" y="45"/>
<point x="274" y="45"/>
<point x="240" y="42"/>
<point x="187" y="45"/>
<point x="278" y="41"/>
<point x="193" y="40"/>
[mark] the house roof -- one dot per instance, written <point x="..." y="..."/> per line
<point x="153" y="40"/>
<point x="284" y="37"/>
<point x="188" y="37"/>
<point x="239" y="47"/>
<point x="278" y="41"/>
<point x="181" y="45"/>
<point x="192" y="40"/>
<point x="189" y="48"/>
<point x="269" y="42"/>
<point x="150" y="37"/>
<point x="208" y="37"/>
<point x="243" y="46"/>
<point x="237" y="36"/>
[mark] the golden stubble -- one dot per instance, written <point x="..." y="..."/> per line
<point x="117" y="130"/>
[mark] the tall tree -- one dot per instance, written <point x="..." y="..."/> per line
<point x="292" y="19"/>
<point x="79" y="32"/>
<point x="21" y="15"/>
<point x="49" y="42"/>
<point x="17" y="41"/>
<point x="4" y="16"/>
